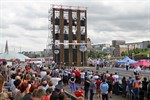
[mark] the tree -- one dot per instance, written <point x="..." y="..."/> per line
<point x="123" y="53"/>
<point x="148" y="46"/>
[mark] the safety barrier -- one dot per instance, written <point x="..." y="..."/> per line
<point x="72" y="97"/>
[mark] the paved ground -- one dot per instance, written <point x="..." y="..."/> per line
<point x="121" y="72"/>
<point x="114" y="97"/>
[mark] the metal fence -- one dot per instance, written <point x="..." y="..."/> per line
<point x="72" y="97"/>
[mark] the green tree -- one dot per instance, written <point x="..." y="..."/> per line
<point x="123" y="53"/>
<point x="148" y="46"/>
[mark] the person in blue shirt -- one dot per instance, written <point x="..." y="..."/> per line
<point x="104" y="90"/>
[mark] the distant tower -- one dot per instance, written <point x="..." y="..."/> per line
<point x="6" y="47"/>
<point x="68" y="26"/>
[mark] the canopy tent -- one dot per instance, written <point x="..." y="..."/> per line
<point x="13" y="55"/>
<point x="141" y="63"/>
<point x="7" y="55"/>
<point x="125" y="59"/>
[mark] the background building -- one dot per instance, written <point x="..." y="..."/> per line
<point x="117" y="42"/>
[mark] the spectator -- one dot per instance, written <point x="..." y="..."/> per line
<point x="72" y="84"/>
<point x="116" y="84"/>
<point x="16" y="90"/>
<point x="136" y="88"/>
<point x="104" y="88"/>
<point x="144" y="87"/>
<point x="124" y="85"/>
<point x="48" y="94"/>
<point x="148" y="90"/>
<point x="98" y="82"/>
<point x="28" y="96"/>
<point x="56" y="92"/>
<point x="43" y="72"/>
<point x="127" y="65"/>
<point x="129" y="86"/>
<point x="47" y="76"/>
<point x="4" y="70"/>
<point x="50" y="84"/>
<point x="92" y="88"/>
<point x="39" y="94"/>
<point x="82" y="77"/>
<point x="44" y="85"/>
<point x="86" y="88"/>
<point x="24" y="88"/>
<point x="55" y="80"/>
<point x="110" y="81"/>
<point x="65" y="78"/>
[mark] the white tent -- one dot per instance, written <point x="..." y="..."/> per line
<point x="13" y="55"/>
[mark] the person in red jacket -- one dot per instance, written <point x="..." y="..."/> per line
<point x="98" y="82"/>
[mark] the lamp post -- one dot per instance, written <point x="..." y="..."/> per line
<point x="83" y="48"/>
<point x="56" y="52"/>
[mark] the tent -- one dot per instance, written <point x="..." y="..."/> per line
<point x="13" y="55"/>
<point x="125" y="59"/>
<point x="141" y="63"/>
<point x="7" y="55"/>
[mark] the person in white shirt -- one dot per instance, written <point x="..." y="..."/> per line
<point x="82" y="77"/>
<point x="55" y="81"/>
<point x="15" y="91"/>
<point x="43" y="73"/>
<point x="137" y="70"/>
<point x="116" y="85"/>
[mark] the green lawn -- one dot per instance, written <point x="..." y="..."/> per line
<point x="144" y="52"/>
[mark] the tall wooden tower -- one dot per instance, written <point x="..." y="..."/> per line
<point x="68" y="26"/>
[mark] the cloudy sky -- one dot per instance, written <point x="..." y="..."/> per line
<point x="24" y="23"/>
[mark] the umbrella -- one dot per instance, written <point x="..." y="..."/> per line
<point x="142" y="63"/>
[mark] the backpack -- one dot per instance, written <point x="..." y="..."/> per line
<point x="109" y="80"/>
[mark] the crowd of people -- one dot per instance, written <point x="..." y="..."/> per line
<point x="42" y="83"/>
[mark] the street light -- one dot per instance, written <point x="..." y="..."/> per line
<point x="56" y="52"/>
<point x="83" y="48"/>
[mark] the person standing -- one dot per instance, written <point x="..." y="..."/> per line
<point x="110" y="81"/>
<point x="72" y="84"/>
<point x="124" y="85"/>
<point x="4" y="70"/>
<point x="98" y="82"/>
<point x="86" y="88"/>
<point x="82" y="77"/>
<point x="97" y="64"/>
<point x="104" y="89"/>
<point x="144" y="87"/>
<point x="116" y="83"/>
<point x="92" y="88"/>
<point x="127" y="65"/>
<point x="148" y="89"/>
<point x="136" y="88"/>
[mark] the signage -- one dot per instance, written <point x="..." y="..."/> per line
<point x="56" y="52"/>
<point x="83" y="48"/>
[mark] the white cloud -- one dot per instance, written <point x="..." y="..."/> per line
<point x="24" y="23"/>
